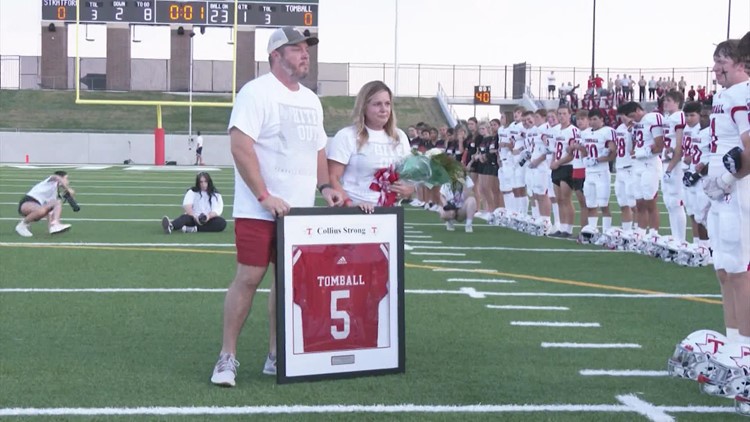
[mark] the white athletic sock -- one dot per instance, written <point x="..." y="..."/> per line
<point x="678" y="222"/>
<point x="627" y="225"/>
<point x="606" y="223"/>
<point x="524" y="205"/>
<point x="594" y="221"/>
<point x="567" y="228"/>
<point x="535" y="211"/>
<point x="556" y="213"/>
<point x="510" y="201"/>
<point x="469" y="221"/>
<point x="733" y="334"/>
<point x="703" y="242"/>
<point x="653" y="232"/>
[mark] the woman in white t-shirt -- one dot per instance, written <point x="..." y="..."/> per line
<point x="202" y="208"/>
<point x="372" y="143"/>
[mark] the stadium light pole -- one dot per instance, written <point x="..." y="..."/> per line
<point x="593" y="41"/>
<point x="395" y="54"/>
<point x="190" y="90"/>
<point x="729" y="17"/>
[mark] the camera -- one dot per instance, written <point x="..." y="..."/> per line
<point x="70" y="200"/>
<point x="450" y="206"/>
<point x="202" y="218"/>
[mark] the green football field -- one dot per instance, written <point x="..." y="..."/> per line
<point x="100" y="322"/>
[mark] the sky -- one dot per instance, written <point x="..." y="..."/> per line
<point x="630" y="33"/>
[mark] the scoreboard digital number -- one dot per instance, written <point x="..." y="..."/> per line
<point x="210" y="13"/>
<point x="482" y="94"/>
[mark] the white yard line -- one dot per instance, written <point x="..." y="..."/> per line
<point x="83" y="195"/>
<point x="644" y="408"/>
<point x="417" y="236"/>
<point x="481" y="280"/>
<point x="481" y="295"/>
<point x="502" y="248"/>
<point x="530" y="308"/>
<point x="555" y="324"/>
<point x="165" y="245"/>
<point x="464" y="270"/>
<point x="547" y="345"/>
<point x="437" y="242"/>
<point x="629" y="405"/>
<point x="413" y="231"/>
<point x="428" y="253"/>
<point x="622" y="373"/>
<point x="448" y="261"/>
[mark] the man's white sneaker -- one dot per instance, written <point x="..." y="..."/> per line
<point x="23" y="229"/>
<point x="225" y="370"/>
<point x="58" y="228"/>
<point x="450" y="225"/>
<point x="416" y="203"/>
<point x="189" y="229"/>
<point x="469" y="228"/>
<point x="269" y="368"/>
<point x="166" y="225"/>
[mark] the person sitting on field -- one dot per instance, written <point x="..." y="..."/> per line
<point x="43" y="200"/>
<point x="458" y="203"/>
<point x="202" y="207"/>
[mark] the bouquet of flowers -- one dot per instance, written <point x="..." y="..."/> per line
<point x="432" y="168"/>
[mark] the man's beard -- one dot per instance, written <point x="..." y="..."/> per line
<point x="292" y="72"/>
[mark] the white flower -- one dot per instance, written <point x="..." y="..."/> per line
<point x="433" y="152"/>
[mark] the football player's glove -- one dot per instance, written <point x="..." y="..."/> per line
<point x="733" y="160"/>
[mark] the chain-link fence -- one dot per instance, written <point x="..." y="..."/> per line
<point x="414" y="80"/>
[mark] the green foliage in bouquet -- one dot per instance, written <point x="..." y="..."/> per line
<point x="431" y="169"/>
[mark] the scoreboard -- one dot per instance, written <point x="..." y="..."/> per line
<point x="160" y="12"/>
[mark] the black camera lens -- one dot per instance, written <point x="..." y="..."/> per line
<point x="202" y="218"/>
<point x="70" y="200"/>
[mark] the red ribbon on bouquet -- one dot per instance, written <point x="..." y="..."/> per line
<point x="382" y="183"/>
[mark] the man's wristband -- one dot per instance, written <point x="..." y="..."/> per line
<point x="324" y="186"/>
<point x="263" y="196"/>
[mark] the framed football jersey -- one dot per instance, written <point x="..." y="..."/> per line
<point x="340" y="293"/>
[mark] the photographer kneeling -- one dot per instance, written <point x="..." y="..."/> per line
<point x="44" y="200"/>
<point x="458" y="204"/>
<point x="203" y="207"/>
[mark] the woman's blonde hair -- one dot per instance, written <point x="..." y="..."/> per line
<point x="358" y="115"/>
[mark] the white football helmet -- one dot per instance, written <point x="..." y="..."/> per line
<point x="727" y="371"/>
<point x="742" y="400"/>
<point x="499" y="217"/>
<point x="588" y="235"/>
<point x="701" y="256"/>
<point x="691" y="355"/>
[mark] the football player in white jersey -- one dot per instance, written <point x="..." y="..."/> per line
<point x="624" y="175"/>
<point x="539" y="170"/>
<point x="554" y="126"/>
<point x="562" y="171"/>
<point x="516" y="135"/>
<point x="505" y="173"/>
<point x="579" y="169"/>
<point x="648" y="141"/>
<point x="695" y="143"/>
<point x="728" y="186"/>
<point x="671" y="185"/>
<point x="598" y="151"/>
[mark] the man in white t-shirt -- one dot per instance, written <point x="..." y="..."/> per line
<point x="199" y="149"/>
<point x="551" y="85"/>
<point x="42" y="201"/>
<point x="278" y="145"/>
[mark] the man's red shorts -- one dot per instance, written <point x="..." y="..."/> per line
<point x="255" y="241"/>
